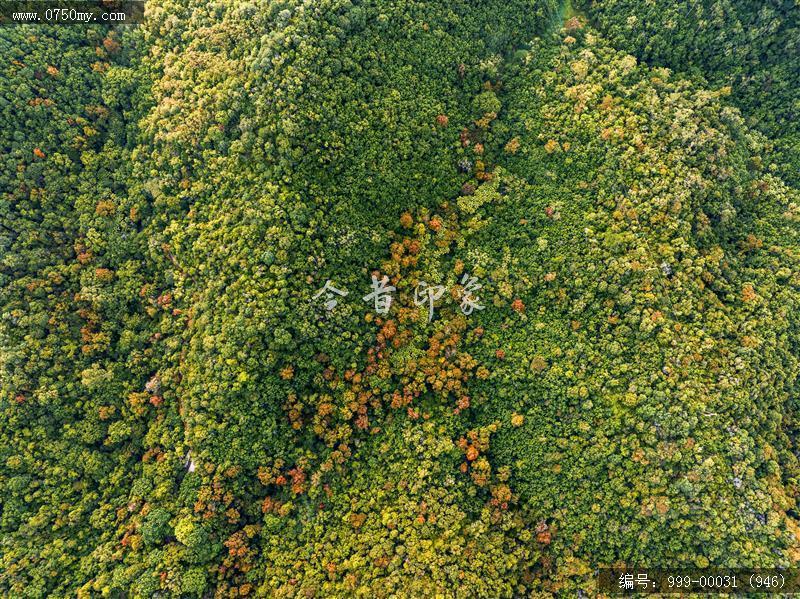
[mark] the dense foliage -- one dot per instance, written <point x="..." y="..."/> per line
<point x="180" y="416"/>
<point x="749" y="49"/>
<point x="656" y="265"/>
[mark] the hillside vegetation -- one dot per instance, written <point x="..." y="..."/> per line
<point x="749" y="50"/>
<point x="181" y="417"/>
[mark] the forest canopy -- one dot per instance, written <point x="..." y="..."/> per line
<point x="398" y="298"/>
